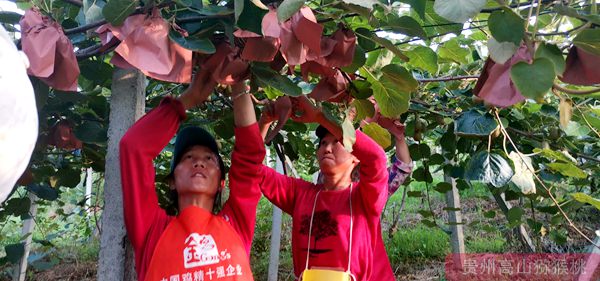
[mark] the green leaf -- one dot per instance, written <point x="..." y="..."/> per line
<point x="419" y="151"/>
<point x="363" y="3"/>
<point x="458" y="11"/>
<point x="568" y="169"/>
<point x="584" y="198"/>
<point x="533" y="80"/>
<point x="14" y="252"/>
<point x="589" y="40"/>
<point x="439" y="24"/>
<point x="514" y="215"/>
<point x="405" y="25"/>
<point x="474" y="123"/>
<point x="265" y="76"/>
<point x="272" y="93"/>
<point x="559" y="237"/>
<point x="361" y="89"/>
<point x="68" y="177"/>
<point x="436" y="159"/>
<point x="553" y="155"/>
<point x="428" y="223"/>
<point x="490" y="214"/>
<point x="552" y="53"/>
<point x="17" y="206"/>
<point x="506" y="26"/>
<point x="9" y="17"/>
<point x="288" y="8"/>
<point x="575" y="129"/>
<point x="403" y="79"/>
<point x="489" y="168"/>
<point x="359" y="60"/>
<point x="116" y="11"/>
<point x="391" y="102"/>
<point x="194" y="43"/>
<point x="91" y="132"/>
<point x="380" y="135"/>
<point x="424" y="58"/>
<point x="389" y="45"/>
<point x="414" y="194"/>
<point x="422" y="174"/>
<point x="425" y="213"/>
<point x="443" y="187"/>
<point x="452" y="51"/>
<point x="364" y="109"/>
<point x="43" y="191"/>
<point x="251" y="18"/>
<point x="448" y="141"/>
<point x="363" y="37"/>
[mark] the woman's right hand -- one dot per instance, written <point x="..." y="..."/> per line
<point x="305" y="111"/>
<point x="199" y="90"/>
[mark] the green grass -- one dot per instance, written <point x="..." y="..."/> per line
<point x="494" y="244"/>
<point x="420" y="242"/>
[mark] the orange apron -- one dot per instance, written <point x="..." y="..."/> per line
<point x="199" y="246"/>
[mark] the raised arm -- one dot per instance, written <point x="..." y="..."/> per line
<point x="246" y="161"/>
<point x="373" y="173"/>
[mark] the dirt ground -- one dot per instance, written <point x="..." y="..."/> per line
<point x="418" y="270"/>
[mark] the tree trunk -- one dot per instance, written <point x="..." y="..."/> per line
<point x="126" y="106"/>
<point x="275" y="234"/>
<point x="457" y="239"/>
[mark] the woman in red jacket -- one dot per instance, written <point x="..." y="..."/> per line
<point x="335" y="225"/>
<point x="197" y="244"/>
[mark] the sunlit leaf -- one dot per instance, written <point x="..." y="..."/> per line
<point x="501" y="52"/>
<point x="458" y="11"/>
<point x="567" y="169"/>
<point x="451" y="50"/>
<point x="424" y="58"/>
<point x="364" y="109"/>
<point x="523" y="177"/>
<point x="584" y="198"/>
<point x="405" y="25"/>
<point x="378" y="134"/>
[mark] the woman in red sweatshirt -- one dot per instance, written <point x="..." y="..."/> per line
<point x="197" y="244"/>
<point x="335" y="224"/>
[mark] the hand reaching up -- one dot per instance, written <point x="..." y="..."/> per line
<point x="395" y="127"/>
<point x="199" y="90"/>
<point x="306" y="111"/>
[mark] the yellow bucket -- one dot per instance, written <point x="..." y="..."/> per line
<point x="325" y="275"/>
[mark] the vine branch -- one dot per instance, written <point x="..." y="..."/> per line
<point x="541" y="182"/>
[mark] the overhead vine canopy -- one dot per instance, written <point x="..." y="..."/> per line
<point x="460" y="73"/>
